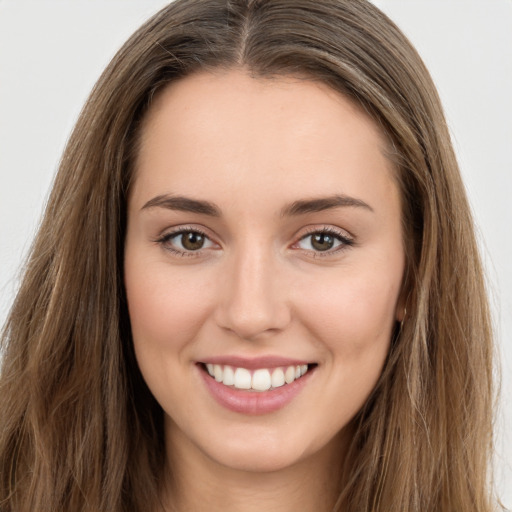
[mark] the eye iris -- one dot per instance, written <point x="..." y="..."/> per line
<point x="192" y="241"/>
<point x="322" y="241"/>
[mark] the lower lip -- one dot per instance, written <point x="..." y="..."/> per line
<point x="254" y="402"/>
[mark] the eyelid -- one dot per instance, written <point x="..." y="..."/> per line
<point x="347" y="240"/>
<point x="166" y="236"/>
<point x="326" y="228"/>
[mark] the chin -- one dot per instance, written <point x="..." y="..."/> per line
<point x="262" y="448"/>
<point x="259" y="457"/>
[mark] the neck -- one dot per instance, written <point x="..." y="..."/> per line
<point x="199" y="484"/>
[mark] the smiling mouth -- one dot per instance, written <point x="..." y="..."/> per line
<point x="259" y="380"/>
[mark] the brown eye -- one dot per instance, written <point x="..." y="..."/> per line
<point x="192" y="241"/>
<point x="322" y="241"/>
<point x="186" y="242"/>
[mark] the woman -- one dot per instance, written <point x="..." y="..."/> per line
<point x="256" y="283"/>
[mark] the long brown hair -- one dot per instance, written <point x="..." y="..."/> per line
<point x="79" y="430"/>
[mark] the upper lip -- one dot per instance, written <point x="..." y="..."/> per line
<point x="254" y="362"/>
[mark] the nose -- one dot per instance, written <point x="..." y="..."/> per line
<point x="252" y="302"/>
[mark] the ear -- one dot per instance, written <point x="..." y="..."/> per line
<point x="400" y="311"/>
<point x="403" y="298"/>
<point x="401" y="305"/>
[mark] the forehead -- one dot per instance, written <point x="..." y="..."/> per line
<point x="206" y="97"/>
<point x="232" y="128"/>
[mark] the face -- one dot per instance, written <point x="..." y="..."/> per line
<point x="263" y="265"/>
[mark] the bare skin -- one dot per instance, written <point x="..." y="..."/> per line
<point x="263" y="225"/>
<point x="201" y="485"/>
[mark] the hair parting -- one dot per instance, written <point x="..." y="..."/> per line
<point x="83" y="432"/>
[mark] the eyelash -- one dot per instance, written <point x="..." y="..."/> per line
<point x="345" y="241"/>
<point x="166" y="238"/>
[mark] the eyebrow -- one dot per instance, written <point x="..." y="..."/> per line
<point x="323" y="203"/>
<point x="302" y="207"/>
<point x="184" y="204"/>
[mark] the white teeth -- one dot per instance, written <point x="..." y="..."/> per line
<point x="229" y="376"/>
<point x="261" y="379"/>
<point x="277" y="378"/>
<point x="242" y="378"/>
<point x="289" y="375"/>
<point x="218" y="373"/>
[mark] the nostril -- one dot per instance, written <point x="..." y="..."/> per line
<point x="251" y="302"/>
<point x="253" y="324"/>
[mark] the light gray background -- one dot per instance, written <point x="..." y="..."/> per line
<point x="52" y="51"/>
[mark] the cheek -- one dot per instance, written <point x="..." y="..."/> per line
<point x="355" y="323"/>
<point x="166" y="311"/>
<point x="354" y="314"/>
<point x="166" y="307"/>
